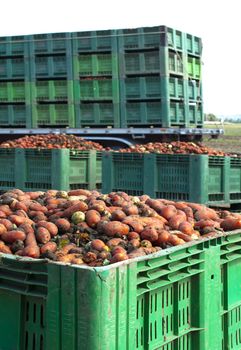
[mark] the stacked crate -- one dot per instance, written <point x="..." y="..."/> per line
<point x="159" y="77"/>
<point x="14" y="82"/>
<point x="148" y="76"/>
<point x="96" y="84"/>
<point x="193" y="70"/>
<point x="51" y="80"/>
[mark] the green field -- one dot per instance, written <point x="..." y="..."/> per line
<point x="229" y="129"/>
<point x="229" y="142"/>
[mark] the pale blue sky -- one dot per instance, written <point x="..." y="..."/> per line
<point x="218" y="23"/>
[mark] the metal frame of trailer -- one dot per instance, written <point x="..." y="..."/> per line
<point x="112" y="131"/>
<point x="126" y="136"/>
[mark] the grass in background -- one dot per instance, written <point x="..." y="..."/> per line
<point x="229" y="129"/>
<point x="230" y="141"/>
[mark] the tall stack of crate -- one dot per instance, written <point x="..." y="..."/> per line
<point x="148" y="76"/>
<point x="52" y="100"/>
<point x="14" y="82"/>
<point x="193" y="52"/>
<point x="159" y="77"/>
<point x="96" y="84"/>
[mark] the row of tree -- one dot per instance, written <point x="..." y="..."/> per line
<point x="210" y="117"/>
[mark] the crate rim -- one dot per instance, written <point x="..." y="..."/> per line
<point x="166" y="154"/>
<point x="46" y="149"/>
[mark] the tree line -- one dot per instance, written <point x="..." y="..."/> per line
<point x="213" y="118"/>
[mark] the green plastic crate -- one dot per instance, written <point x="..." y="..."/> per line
<point x="154" y="112"/>
<point x="175" y="62"/>
<point x="51" y="43"/>
<point x="175" y="39"/>
<point x="14" y="68"/>
<point x="175" y="88"/>
<point x="141" y="87"/>
<point x="152" y="87"/>
<point x="16" y="91"/>
<point x="7" y="169"/>
<point x="101" y="64"/>
<point x="196" y="116"/>
<point x="92" y="41"/>
<point x="42" y="169"/>
<point x="92" y="89"/>
<point x="141" y="113"/>
<point x="15" y="115"/>
<point x="14" y="45"/>
<point x="144" y="62"/>
<point x="165" y="301"/>
<point x="150" y="37"/>
<point x="193" y="45"/>
<point x="139" y="38"/>
<point x="95" y="114"/>
<point x="235" y="180"/>
<point x="194" y="90"/>
<point x="55" y="66"/>
<point x="178" y="114"/>
<point x="85" y="169"/>
<point x="53" y="114"/>
<point x="161" y="61"/>
<point x="193" y="67"/>
<point x="195" y="178"/>
<point x="52" y="90"/>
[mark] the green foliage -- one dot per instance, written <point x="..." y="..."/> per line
<point x="211" y="117"/>
<point x="231" y="120"/>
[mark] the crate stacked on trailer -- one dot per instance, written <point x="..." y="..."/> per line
<point x="160" y="77"/>
<point x="195" y="103"/>
<point x="96" y="83"/>
<point x="52" y="102"/>
<point x="120" y="78"/>
<point x="14" y="82"/>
